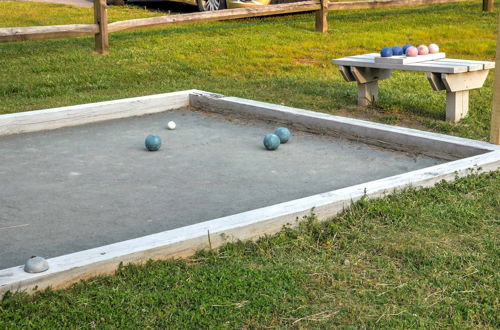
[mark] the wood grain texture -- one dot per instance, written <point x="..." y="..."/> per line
<point x="285" y="8"/>
<point x="160" y="21"/>
<point x="368" y="61"/>
<point x="436" y="81"/>
<point x="385" y="3"/>
<point x="402" y="59"/>
<point x="345" y="71"/>
<point x="47" y="32"/>
<point x="473" y="65"/>
<point x="495" y="110"/>
<point x="76" y="30"/>
<point x="182" y="242"/>
<point x="366" y="75"/>
<point x="455" y="76"/>
<point x="48" y="119"/>
<point x="367" y="93"/>
<point x="457" y="105"/>
<point x="101" y="20"/>
<point x="464" y="81"/>
<point x="393" y="137"/>
<point x="488" y="5"/>
<point x="446" y="65"/>
<point x="321" y="17"/>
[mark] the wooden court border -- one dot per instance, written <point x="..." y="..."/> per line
<point x="466" y="156"/>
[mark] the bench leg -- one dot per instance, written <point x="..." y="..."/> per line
<point x="457" y="105"/>
<point x="345" y="71"/>
<point x="367" y="79"/>
<point x="367" y="93"/>
<point x="457" y="86"/>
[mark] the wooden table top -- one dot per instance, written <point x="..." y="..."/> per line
<point x="445" y="65"/>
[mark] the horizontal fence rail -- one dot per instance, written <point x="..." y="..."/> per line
<point x="101" y="27"/>
<point x="228" y="14"/>
<point x="286" y="8"/>
<point x="47" y="32"/>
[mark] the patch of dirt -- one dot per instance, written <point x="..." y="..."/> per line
<point x="375" y="115"/>
<point x="305" y="61"/>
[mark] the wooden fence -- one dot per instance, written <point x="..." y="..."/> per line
<point x="495" y="110"/>
<point x="101" y="28"/>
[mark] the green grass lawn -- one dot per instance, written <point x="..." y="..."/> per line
<point x="423" y="258"/>
<point x="38" y="14"/>
<point x="278" y="59"/>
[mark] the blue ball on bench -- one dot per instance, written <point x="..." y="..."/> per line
<point x="386" y="52"/>
<point x="405" y="47"/>
<point x="397" y="51"/>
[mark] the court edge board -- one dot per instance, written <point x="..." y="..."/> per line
<point x="465" y="156"/>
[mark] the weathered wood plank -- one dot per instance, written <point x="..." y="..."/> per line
<point x="365" y="75"/>
<point x="495" y="110"/>
<point x="461" y="65"/>
<point x="160" y="21"/>
<point x="488" y="5"/>
<point x="455" y="76"/>
<point x="436" y="81"/>
<point x="77" y="30"/>
<point x="464" y="81"/>
<point x="470" y="66"/>
<point x="184" y="241"/>
<point x="432" y="66"/>
<point x="457" y="105"/>
<point x="321" y="15"/>
<point x="402" y="59"/>
<point x="429" y="66"/>
<point x="385" y="3"/>
<point x="286" y="8"/>
<point x="48" y="119"/>
<point x="319" y="123"/>
<point x="345" y="71"/>
<point x="46" y="32"/>
<point x="101" y="19"/>
<point x="485" y="64"/>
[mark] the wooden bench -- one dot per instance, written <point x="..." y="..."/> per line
<point x="455" y="76"/>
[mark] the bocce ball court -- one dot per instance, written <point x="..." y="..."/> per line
<point x="80" y="188"/>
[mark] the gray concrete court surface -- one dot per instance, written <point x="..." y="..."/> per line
<point x="81" y="187"/>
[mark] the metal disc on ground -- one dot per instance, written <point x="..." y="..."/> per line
<point x="36" y="265"/>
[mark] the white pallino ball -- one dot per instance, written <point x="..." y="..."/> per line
<point x="171" y="125"/>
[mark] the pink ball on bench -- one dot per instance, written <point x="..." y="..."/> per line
<point x="433" y="49"/>
<point x="423" y="50"/>
<point x="411" y="52"/>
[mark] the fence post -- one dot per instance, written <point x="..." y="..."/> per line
<point x="495" y="109"/>
<point x="101" y="19"/>
<point x="321" y="22"/>
<point x="488" y="5"/>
